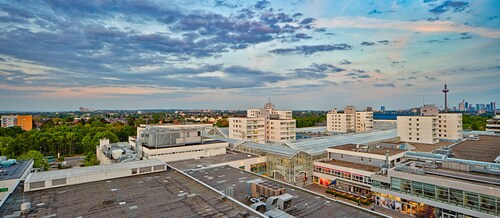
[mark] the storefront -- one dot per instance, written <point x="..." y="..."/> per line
<point x="398" y="204"/>
<point x="343" y="186"/>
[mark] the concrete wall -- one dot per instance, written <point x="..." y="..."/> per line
<point x="246" y="163"/>
<point x="355" y="157"/>
<point x="186" y="152"/>
<point x="88" y="177"/>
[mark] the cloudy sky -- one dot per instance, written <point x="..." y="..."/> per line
<point x="303" y="54"/>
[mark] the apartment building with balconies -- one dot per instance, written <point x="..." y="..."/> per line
<point x="349" y="120"/>
<point x="263" y="125"/>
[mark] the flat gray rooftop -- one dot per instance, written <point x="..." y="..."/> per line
<point x="207" y="161"/>
<point x="487" y="148"/>
<point x="163" y="194"/>
<point x="14" y="171"/>
<point x="308" y="204"/>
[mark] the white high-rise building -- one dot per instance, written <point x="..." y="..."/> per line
<point x="263" y="125"/>
<point x="349" y="121"/>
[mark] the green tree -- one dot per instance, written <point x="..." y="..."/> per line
<point x="90" y="159"/>
<point x="38" y="159"/>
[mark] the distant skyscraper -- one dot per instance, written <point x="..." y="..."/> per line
<point x="461" y="105"/>
<point x="382" y="108"/>
<point x="466" y="106"/>
<point x="493" y="106"/>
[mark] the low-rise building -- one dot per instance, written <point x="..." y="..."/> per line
<point x="349" y="120"/>
<point x="447" y="187"/>
<point x="348" y="168"/>
<point x="177" y="142"/>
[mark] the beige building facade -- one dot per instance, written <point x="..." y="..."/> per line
<point x="263" y="125"/>
<point x="349" y="121"/>
<point x="418" y="129"/>
<point x="430" y="129"/>
<point x="450" y="126"/>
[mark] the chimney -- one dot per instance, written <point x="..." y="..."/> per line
<point x="387" y="159"/>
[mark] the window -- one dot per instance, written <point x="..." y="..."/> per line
<point x="429" y="191"/>
<point x="395" y="184"/>
<point x="442" y="193"/>
<point x="417" y="188"/>
<point x="59" y="182"/>
<point x="471" y="200"/>
<point x="341" y="156"/>
<point x="369" y="160"/>
<point x="456" y="197"/>
<point x="362" y="159"/>
<point x="487" y="204"/>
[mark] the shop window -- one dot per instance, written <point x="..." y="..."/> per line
<point x="442" y="194"/>
<point x="429" y="191"/>
<point x="456" y="197"/>
<point x="471" y="200"/>
<point x="487" y="204"/>
<point x="417" y="189"/>
<point x="405" y="186"/>
<point x="396" y="184"/>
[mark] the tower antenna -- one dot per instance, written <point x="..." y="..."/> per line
<point x="445" y="91"/>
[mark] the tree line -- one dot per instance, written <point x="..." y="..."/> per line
<point x="65" y="140"/>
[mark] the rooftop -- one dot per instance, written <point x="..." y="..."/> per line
<point x="353" y="165"/>
<point x="207" y="161"/>
<point x="15" y="171"/>
<point x="206" y="141"/>
<point x="315" y="146"/>
<point x="371" y="149"/>
<point x="83" y="171"/>
<point x="428" y="147"/>
<point x="485" y="149"/>
<point x="149" y="195"/>
<point x="308" y="204"/>
<point x="489" y="180"/>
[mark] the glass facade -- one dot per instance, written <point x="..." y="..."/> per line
<point x="342" y="174"/>
<point x="470" y="200"/>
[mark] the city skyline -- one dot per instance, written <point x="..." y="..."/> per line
<point x="235" y="54"/>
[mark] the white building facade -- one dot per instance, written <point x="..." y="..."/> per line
<point x="430" y="129"/>
<point x="263" y="125"/>
<point x="349" y="121"/>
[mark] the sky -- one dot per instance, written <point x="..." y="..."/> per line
<point x="58" y="55"/>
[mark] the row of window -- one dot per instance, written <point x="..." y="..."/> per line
<point x="343" y="174"/>
<point x="470" y="200"/>
<point x="175" y="152"/>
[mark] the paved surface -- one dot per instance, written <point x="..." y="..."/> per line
<point x="307" y="204"/>
<point x="321" y="190"/>
<point x="207" y="161"/>
<point x="163" y="194"/>
<point x="487" y="148"/>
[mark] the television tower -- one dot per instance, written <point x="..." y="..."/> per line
<point x="445" y="91"/>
